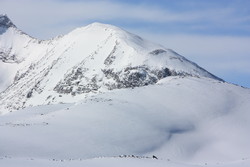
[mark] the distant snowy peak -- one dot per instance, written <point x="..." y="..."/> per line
<point x="91" y="59"/>
<point x="5" y="22"/>
<point x="14" y="44"/>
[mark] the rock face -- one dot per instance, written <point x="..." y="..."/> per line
<point x="127" y="78"/>
<point x="5" y="22"/>
<point x="91" y="59"/>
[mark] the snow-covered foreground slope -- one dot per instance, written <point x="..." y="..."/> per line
<point x="187" y="120"/>
<point x="88" y="60"/>
<point x="110" y="162"/>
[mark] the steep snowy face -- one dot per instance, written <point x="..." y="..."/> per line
<point x="91" y="59"/>
<point x="13" y="41"/>
<point x="16" y="51"/>
<point x="5" y="46"/>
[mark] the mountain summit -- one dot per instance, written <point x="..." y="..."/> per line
<point x="91" y="59"/>
<point x="5" y="22"/>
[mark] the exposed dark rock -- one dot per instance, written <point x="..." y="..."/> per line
<point x="5" y="22"/>
<point x="158" y="51"/>
<point x="7" y="57"/>
<point x="111" y="57"/>
<point x="72" y="83"/>
<point x="77" y="83"/>
<point x="29" y="94"/>
<point x="135" y="76"/>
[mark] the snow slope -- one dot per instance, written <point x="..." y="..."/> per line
<point x="88" y="60"/>
<point x="111" y="162"/>
<point x="16" y="51"/>
<point x="100" y="91"/>
<point x="194" y="120"/>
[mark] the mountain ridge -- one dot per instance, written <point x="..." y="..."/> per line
<point x="90" y="59"/>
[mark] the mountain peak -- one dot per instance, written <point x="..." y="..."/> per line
<point x="91" y="59"/>
<point x="5" y="21"/>
<point x="98" y="24"/>
<point x="103" y="26"/>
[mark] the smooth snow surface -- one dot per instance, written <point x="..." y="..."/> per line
<point x="182" y="119"/>
<point x="110" y="162"/>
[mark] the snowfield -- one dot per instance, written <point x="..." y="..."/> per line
<point x="194" y="120"/>
<point x="101" y="96"/>
<point x="111" y="162"/>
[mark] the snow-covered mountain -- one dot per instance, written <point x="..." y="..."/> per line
<point x="91" y="59"/>
<point x="112" y="93"/>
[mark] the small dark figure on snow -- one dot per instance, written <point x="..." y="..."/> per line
<point x="154" y="157"/>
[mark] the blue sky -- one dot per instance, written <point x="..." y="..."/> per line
<point x="213" y="33"/>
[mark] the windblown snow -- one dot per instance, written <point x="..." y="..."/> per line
<point x="100" y="91"/>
